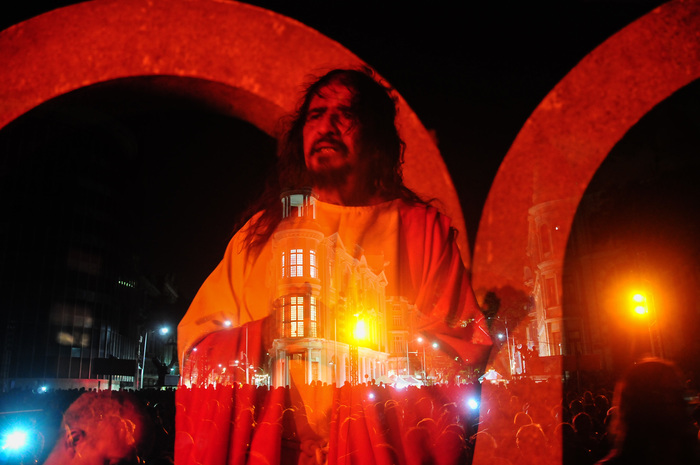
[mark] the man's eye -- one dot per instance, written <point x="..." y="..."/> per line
<point x="348" y="115"/>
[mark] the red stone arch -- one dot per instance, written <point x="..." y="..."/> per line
<point x="570" y="133"/>
<point x="245" y="60"/>
<point x="567" y="137"/>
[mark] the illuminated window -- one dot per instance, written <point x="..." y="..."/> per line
<point x="397" y="320"/>
<point x="296" y="316"/>
<point x="312" y="316"/>
<point x="300" y="316"/>
<point x="284" y="269"/>
<point x="296" y="262"/>
<point x="313" y="267"/>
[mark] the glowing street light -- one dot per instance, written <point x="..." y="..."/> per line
<point x="15" y="440"/>
<point x="425" y="377"/>
<point x="644" y="307"/>
<point x="360" y="332"/>
<point x="641" y="308"/>
<point x="162" y="331"/>
<point x="435" y="346"/>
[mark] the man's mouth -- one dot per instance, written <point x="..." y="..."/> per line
<point x="327" y="146"/>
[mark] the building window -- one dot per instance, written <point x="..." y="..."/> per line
<point x="296" y="316"/>
<point x="313" y="266"/>
<point x="551" y="295"/>
<point x="296" y="262"/>
<point x="399" y="345"/>
<point x="312" y="317"/>
<point x="397" y="320"/>
<point x="546" y="241"/>
<point x="300" y="316"/>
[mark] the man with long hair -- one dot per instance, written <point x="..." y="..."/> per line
<point x="336" y="234"/>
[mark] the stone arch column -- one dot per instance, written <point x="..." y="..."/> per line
<point x="557" y="152"/>
<point x="242" y="59"/>
<point x="567" y="137"/>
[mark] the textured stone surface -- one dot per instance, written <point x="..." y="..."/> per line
<point x="570" y="133"/>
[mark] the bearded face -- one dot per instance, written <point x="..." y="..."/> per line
<point x="101" y="428"/>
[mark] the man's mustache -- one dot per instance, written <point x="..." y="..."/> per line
<point x="328" y="141"/>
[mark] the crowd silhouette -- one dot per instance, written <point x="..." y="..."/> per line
<point x="651" y="418"/>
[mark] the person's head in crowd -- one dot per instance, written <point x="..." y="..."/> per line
<point x="101" y="428"/>
<point x="583" y="424"/>
<point x="651" y="420"/>
<point x="602" y="404"/>
<point x="521" y="419"/>
<point x="532" y="443"/>
<point x="575" y="407"/>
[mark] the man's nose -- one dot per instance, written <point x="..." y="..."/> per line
<point x="329" y="124"/>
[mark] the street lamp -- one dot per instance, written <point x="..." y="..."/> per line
<point x="425" y="376"/>
<point x="359" y="333"/>
<point x="435" y="346"/>
<point x="511" y="351"/>
<point x="163" y="331"/>
<point x="641" y="308"/>
<point x="644" y="307"/>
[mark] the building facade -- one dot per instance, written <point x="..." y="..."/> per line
<point x="329" y="305"/>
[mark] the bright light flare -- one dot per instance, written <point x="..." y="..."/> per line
<point x="15" y="440"/>
<point x="473" y="404"/>
<point x="640" y="309"/>
<point x="360" y="332"/>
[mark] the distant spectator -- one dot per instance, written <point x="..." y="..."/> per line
<point x="533" y="446"/>
<point x="652" y="424"/>
<point x="586" y="438"/>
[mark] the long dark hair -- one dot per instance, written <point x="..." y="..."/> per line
<point x="374" y="105"/>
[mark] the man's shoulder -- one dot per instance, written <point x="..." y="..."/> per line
<point x="422" y="211"/>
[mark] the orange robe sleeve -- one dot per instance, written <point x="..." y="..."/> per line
<point x="230" y="297"/>
<point x="447" y="307"/>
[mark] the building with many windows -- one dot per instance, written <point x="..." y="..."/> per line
<point x="329" y="306"/>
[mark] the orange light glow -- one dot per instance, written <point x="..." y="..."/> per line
<point x="360" y="332"/>
<point x="641" y="299"/>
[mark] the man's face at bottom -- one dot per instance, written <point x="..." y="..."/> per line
<point x="331" y="133"/>
<point x="99" y="430"/>
<point x="105" y="447"/>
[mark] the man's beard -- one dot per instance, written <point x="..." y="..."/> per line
<point x="328" y="177"/>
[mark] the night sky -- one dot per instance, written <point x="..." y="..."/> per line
<point x="473" y="76"/>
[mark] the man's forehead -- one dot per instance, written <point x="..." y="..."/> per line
<point x="335" y="91"/>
